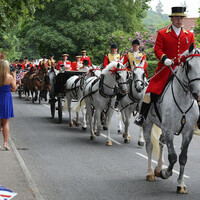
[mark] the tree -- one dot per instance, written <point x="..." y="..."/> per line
<point x="159" y="8"/>
<point x="72" y="25"/>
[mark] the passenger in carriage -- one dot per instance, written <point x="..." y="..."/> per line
<point x="85" y="66"/>
<point x="85" y="57"/>
<point x="170" y="44"/>
<point x="135" y="56"/>
<point x="43" y="62"/>
<point x="66" y="63"/>
<point x="76" y="64"/>
<point x="113" y="55"/>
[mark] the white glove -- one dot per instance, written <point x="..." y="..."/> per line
<point x="168" y="62"/>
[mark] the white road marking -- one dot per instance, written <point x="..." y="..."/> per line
<point x="143" y="156"/>
<point x="111" y="139"/>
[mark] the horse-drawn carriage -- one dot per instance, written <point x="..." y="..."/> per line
<point x="58" y="90"/>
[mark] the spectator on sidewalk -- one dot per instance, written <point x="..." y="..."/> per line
<point x="7" y="84"/>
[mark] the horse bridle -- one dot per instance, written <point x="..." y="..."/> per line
<point x="137" y="80"/>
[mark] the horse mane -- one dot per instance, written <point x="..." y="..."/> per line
<point x="110" y="66"/>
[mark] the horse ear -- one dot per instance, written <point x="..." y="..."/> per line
<point x="191" y="47"/>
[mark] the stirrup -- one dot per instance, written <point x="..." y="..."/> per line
<point x="139" y="120"/>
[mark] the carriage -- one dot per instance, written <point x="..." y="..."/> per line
<point x="58" y="90"/>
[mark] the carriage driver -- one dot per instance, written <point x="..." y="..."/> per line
<point x="51" y="61"/>
<point x="113" y="55"/>
<point x="170" y="44"/>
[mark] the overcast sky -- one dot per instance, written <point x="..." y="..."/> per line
<point x="192" y="6"/>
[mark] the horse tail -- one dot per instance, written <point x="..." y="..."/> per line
<point x="155" y="136"/>
<point x="79" y="105"/>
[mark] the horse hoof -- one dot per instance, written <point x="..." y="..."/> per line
<point x="156" y="172"/>
<point x="97" y="133"/>
<point x="92" y="138"/>
<point x="109" y="143"/>
<point x="77" y="124"/>
<point x="150" y="177"/>
<point x="105" y="128"/>
<point x="127" y="141"/>
<point x="71" y="124"/>
<point x="84" y="128"/>
<point x="181" y="190"/>
<point x="141" y="144"/>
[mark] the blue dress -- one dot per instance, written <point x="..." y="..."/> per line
<point x="6" y="103"/>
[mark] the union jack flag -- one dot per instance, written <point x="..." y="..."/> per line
<point x="6" y="194"/>
<point x="19" y="76"/>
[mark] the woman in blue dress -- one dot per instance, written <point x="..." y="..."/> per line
<point x="7" y="84"/>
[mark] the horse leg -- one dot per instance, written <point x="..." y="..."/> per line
<point x="77" y="119"/>
<point x="149" y="147"/>
<point x="172" y="157"/>
<point x="181" y="187"/>
<point x="126" y="135"/>
<point x="119" y="116"/>
<point x="97" y="122"/>
<point x="141" y="138"/>
<point x="161" y="157"/>
<point x="69" y="100"/>
<point x="90" y="116"/>
<point x="84" y="126"/>
<point x="109" y="115"/>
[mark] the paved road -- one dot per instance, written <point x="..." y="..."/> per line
<point x="66" y="165"/>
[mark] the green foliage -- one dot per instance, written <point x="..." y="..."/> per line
<point x="72" y="25"/>
<point x="152" y="65"/>
<point x="197" y="32"/>
<point x="155" y="21"/>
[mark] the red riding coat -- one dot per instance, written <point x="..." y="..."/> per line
<point x="168" y="45"/>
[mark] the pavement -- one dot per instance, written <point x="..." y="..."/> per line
<point x="12" y="175"/>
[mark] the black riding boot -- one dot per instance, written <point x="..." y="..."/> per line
<point x="143" y="114"/>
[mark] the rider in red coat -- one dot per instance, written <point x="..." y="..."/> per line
<point x="170" y="44"/>
<point x="85" y="57"/>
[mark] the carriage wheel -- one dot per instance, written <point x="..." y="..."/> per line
<point x="52" y="107"/>
<point x="60" y="109"/>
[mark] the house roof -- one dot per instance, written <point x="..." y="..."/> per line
<point x="188" y="24"/>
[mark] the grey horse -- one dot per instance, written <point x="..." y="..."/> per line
<point x="178" y="112"/>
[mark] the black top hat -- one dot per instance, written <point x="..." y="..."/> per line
<point x="26" y="58"/>
<point x="86" y="62"/>
<point x="51" y="55"/>
<point x="136" y="41"/>
<point x="16" y="60"/>
<point x="114" y="46"/>
<point x="178" y="12"/>
<point x="83" y="51"/>
<point x="44" y="56"/>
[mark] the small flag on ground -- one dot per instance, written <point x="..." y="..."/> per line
<point x="6" y="194"/>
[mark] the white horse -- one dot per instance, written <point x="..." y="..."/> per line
<point x="178" y="112"/>
<point x="129" y="104"/>
<point x="74" y="91"/>
<point x="99" y="96"/>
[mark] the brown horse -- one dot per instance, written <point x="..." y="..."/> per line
<point x="28" y="82"/>
<point x="41" y="83"/>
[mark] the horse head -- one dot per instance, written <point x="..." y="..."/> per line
<point x="191" y="67"/>
<point x="138" y="76"/>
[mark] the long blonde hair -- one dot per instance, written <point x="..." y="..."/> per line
<point x="4" y="70"/>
